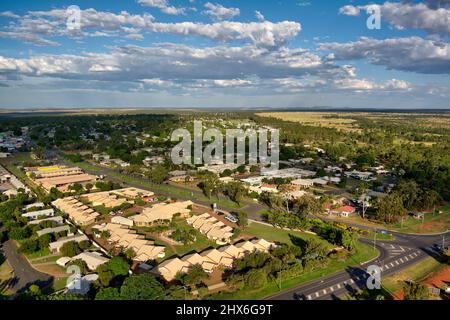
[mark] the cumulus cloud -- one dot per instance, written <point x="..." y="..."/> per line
<point x="350" y="10"/>
<point x="431" y="17"/>
<point x="163" y="5"/>
<point x="37" y="26"/>
<point x="218" y="12"/>
<point x="407" y="54"/>
<point x="259" y="16"/>
<point x="368" y="85"/>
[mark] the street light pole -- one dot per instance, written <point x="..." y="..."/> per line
<point x="374" y="239"/>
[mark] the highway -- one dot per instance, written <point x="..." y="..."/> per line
<point x="395" y="255"/>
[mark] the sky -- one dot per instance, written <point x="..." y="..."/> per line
<point x="224" y="54"/>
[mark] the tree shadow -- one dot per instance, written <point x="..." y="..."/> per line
<point x="297" y="241"/>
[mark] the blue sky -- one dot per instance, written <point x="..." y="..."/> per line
<point x="252" y="53"/>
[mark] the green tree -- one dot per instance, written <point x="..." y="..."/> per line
<point x="415" y="291"/>
<point x="390" y="208"/>
<point x="194" y="276"/>
<point x="108" y="294"/>
<point x="70" y="249"/>
<point x="142" y="287"/>
<point x="118" y="266"/>
<point x="158" y="174"/>
<point x="255" y="279"/>
<point x="235" y="191"/>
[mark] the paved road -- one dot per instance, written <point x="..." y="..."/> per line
<point x="24" y="273"/>
<point x="251" y="208"/>
<point x="395" y="255"/>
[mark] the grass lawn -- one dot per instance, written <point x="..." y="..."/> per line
<point x="279" y="235"/>
<point x="364" y="253"/>
<point x="380" y="236"/>
<point x="38" y="254"/>
<point x="417" y="272"/>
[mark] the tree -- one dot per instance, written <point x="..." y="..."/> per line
<point x="142" y="287"/>
<point x="194" y="276"/>
<point x="104" y="275"/>
<point x="390" y="208"/>
<point x="29" y="246"/>
<point x="307" y="205"/>
<point x="415" y="291"/>
<point x="255" y="279"/>
<point x="108" y="294"/>
<point x="44" y="241"/>
<point x="118" y="266"/>
<point x="158" y="174"/>
<point x="235" y="191"/>
<point x="80" y="264"/>
<point x="70" y="249"/>
<point x="76" y="187"/>
<point x="242" y="219"/>
<point x="210" y="184"/>
<point x="84" y="245"/>
<point x="408" y="192"/>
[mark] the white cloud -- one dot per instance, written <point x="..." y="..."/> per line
<point x="259" y="16"/>
<point x="38" y="26"/>
<point x="367" y="85"/>
<point x="163" y="5"/>
<point x="432" y="19"/>
<point x="218" y="12"/>
<point x="350" y="10"/>
<point x="232" y="82"/>
<point x="408" y="54"/>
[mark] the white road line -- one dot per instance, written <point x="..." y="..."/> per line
<point x="331" y="289"/>
<point x="351" y="281"/>
<point x="396" y="261"/>
<point x="317" y="294"/>
<point x="411" y="256"/>
<point x="391" y="264"/>
<point x="406" y="258"/>
<point x="386" y="266"/>
<point x="339" y="285"/>
<point x="309" y="297"/>
<point x="401" y="260"/>
<point x="324" y="291"/>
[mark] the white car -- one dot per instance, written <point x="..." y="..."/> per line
<point x="231" y="218"/>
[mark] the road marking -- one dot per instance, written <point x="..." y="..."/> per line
<point x="324" y="291"/>
<point x="386" y="266"/>
<point x="391" y="264"/>
<point x="401" y="260"/>
<point x="396" y="261"/>
<point x="308" y="297"/>
<point x="339" y="285"/>
<point x="317" y="294"/>
<point x="351" y="281"/>
<point x="411" y="256"/>
<point x="406" y="258"/>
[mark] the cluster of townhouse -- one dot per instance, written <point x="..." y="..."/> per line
<point x="59" y="177"/>
<point x="9" y="184"/>
<point x="211" y="259"/>
<point x="121" y="236"/>
<point x="161" y="213"/>
<point x="78" y="212"/>
<point x="115" y="198"/>
<point x="212" y="228"/>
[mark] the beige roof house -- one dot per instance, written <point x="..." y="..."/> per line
<point x="92" y="259"/>
<point x="122" y="236"/>
<point x="161" y="212"/>
<point x="211" y="227"/>
<point x="77" y="211"/>
<point x="210" y="259"/>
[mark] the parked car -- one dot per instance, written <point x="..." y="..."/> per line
<point x="231" y="218"/>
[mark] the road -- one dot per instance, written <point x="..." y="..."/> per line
<point x="395" y="255"/>
<point x="24" y="273"/>
<point x="251" y="208"/>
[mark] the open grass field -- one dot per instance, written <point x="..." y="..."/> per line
<point x="321" y="119"/>
<point x="279" y="235"/>
<point x="417" y="272"/>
